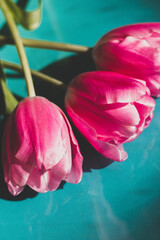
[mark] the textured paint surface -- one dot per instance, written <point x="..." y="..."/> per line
<point x="114" y="200"/>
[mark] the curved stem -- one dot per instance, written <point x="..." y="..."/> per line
<point x="37" y="74"/>
<point x="18" y="42"/>
<point x="67" y="47"/>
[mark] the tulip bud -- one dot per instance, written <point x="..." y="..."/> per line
<point x="132" y="50"/>
<point x="39" y="148"/>
<point x="109" y="109"/>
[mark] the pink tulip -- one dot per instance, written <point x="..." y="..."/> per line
<point x="132" y="50"/>
<point x="109" y="109"/>
<point x="39" y="148"/>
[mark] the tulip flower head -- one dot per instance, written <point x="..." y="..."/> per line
<point x="132" y="50"/>
<point x="39" y="147"/>
<point x="109" y="109"/>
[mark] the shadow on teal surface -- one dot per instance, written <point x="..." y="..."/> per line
<point x="65" y="70"/>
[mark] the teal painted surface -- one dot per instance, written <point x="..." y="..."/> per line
<point x="114" y="200"/>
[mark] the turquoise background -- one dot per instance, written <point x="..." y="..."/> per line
<point x="114" y="200"/>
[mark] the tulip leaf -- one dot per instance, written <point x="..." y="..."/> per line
<point x="7" y="100"/>
<point x="28" y="19"/>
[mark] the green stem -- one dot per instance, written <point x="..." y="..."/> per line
<point x="18" y="42"/>
<point x="37" y="74"/>
<point x="67" y="47"/>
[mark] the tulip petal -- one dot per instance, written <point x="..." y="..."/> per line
<point x="75" y="174"/>
<point x="109" y="150"/>
<point x="132" y="50"/>
<point x="107" y="111"/>
<point x="14" y="189"/>
<point x="7" y="154"/>
<point x="139" y="30"/>
<point x="154" y="84"/>
<point x="145" y="107"/>
<point x="43" y="181"/>
<point x="126" y="115"/>
<point x="107" y="87"/>
<point x="78" y="107"/>
<point x="31" y="133"/>
<point x="18" y="174"/>
<point x="39" y="148"/>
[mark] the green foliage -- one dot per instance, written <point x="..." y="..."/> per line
<point x="29" y="20"/>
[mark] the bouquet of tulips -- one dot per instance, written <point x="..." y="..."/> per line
<point x="110" y="106"/>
